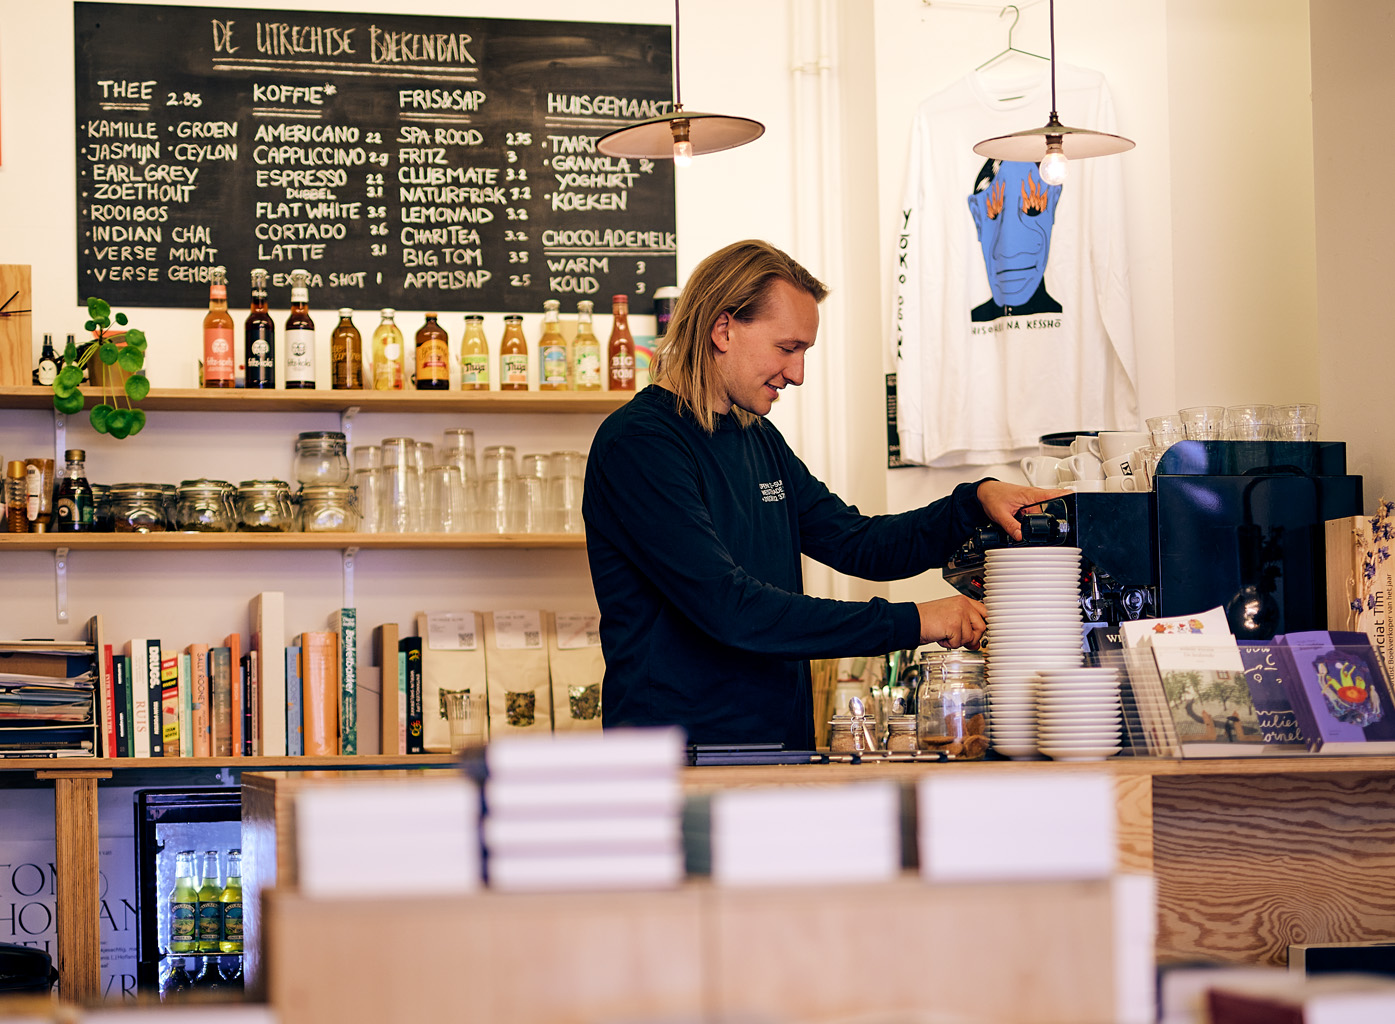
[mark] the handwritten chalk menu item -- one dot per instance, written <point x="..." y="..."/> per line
<point x="406" y="161"/>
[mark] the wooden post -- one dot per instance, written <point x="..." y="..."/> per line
<point x="79" y="896"/>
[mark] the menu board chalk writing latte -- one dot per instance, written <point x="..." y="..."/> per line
<point x="408" y="161"/>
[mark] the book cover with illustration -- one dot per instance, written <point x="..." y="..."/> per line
<point x="1339" y="690"/>
<point x="1209" y="699"/>
<point x="1263" y="673"/>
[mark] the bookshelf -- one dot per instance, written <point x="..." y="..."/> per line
<point x="178" y="541"/>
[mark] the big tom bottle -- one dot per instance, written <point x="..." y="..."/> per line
<point x="300" y="334"/>
<point x="259" y="338"/>
<point x="622" y="346"/>
<point x="513" y="355"/>
<point x="433" y="356"/>
<point x="346" y="354"/>
<point x="219" y="363"/>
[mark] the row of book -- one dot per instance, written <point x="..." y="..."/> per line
<point x="1197" y="692"/>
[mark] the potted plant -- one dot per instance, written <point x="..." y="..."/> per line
<point x="116" y="414"/>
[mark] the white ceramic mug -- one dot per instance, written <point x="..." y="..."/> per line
<point x="1085" y="443"/>
<point x="1041" y="470"/>
<point x="1124" y="484"/>
<point x="1084" y="466"/>
<point x="1114" y="443"/>
<point x="1122" y="466"/>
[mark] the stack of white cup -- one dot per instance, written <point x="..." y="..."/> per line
<point x="1107" y="461"/>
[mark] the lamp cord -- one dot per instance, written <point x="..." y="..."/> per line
<point x="1052" y="11"/>
<point x="677" y="67"/>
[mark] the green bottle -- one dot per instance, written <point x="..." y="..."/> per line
<point x="184" y="905"/>
<point x="231" y="901"/>
<point x="210" y="911"/>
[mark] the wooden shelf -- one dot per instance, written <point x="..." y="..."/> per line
<point x="175" y="541"/>
<point x="325" y="400"/>
<point x="104" y="766"/>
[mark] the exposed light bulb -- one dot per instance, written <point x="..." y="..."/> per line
<point x="682" y="152"/>
<point x="1053" y="165"/>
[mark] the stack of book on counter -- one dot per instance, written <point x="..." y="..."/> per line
<point x="584" y="810"/>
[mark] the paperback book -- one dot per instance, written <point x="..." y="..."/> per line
<point x="1337" y="684"/>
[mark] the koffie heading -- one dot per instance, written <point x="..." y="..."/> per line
<point x="377" y="46"/>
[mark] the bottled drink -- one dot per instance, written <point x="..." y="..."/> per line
<point x="16" y="497"/>
<point x="300" y="334"/>
<point x="586" y="351"/>
<point x="47" y="368"/>
<point x="433" y="356"/>
<point x="75" y="509"/>
<point x="474" y="355"/>
<point x="259" y="338"/>
<point x="622" y="346"/>
<point x="513" y="356"/>
<point x="209" y="977"/>
<point x="231" y="899"/>
<point x="346" y="354"/>
<point x="232" y="975"/>
<point x="387" y="354"/>
<point x="210" y="911"/>
<point x="178" y="980"/>
<point x="184" y="907"/>
<point x="219" y="364"/>
<point x="552" y="351"/>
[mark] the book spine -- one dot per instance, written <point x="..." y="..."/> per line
<point x="243" y="742"/>
<point x="411" y="647"/>
<point x="295" y="734"/>
<point x="140" y="698"/>
<point x="348" y="680"/>
<point x="109" y="747"/>
<point x="401" y="702"/>
<point x="320" y="693"/>
<point x="169" y="704"/>
<point x="121" y="696"/>
<point x="220" y="663"/>
<point x="186" y="706"/>
<point x="201" y="701"/>
<point x="155" y="704"/>
<point x="268" y="614"/>
<point x="254" y="703"/>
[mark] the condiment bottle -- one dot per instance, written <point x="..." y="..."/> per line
<point x="75" y="510"/>
<point x="219" y="364"/>
<point x="586" y="351"/>
<point x="474" y="355"/>
<point x="300" y="334"/>
<point x="433" y="356"/>
<point x="16" y="497"/>
<point x="259" y="338"/>
<point x="622" y="346"/>
<point x="387" y="354"/>
<point x="346" y="354"/>
<point x="47" y="368"/>
<point x="513" y="356"/>
<point x="552" y="350"/>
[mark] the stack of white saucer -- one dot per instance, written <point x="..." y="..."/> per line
<point x="1033" y="600"/>
<point x="1078" y="715"/>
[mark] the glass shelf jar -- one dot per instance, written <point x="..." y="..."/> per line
<point x="137" y="508"/>
<point x="265" y="506"/>
<point x="952" y="707"/>
<point x="321" y="457"/>
<point x="328" y="508"/>
<point x="204" y="506"/>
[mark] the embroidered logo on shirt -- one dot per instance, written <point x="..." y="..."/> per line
<point x="773" y="491"/>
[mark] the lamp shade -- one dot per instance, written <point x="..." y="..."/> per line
<point x="708" y="133"/>
<point x="1030" y="145"/>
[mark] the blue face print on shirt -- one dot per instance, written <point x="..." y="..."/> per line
<point x="1014" y="212"/>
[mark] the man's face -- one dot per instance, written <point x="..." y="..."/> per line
<point x="1014" y="215"/>
<point x="756" y="359"/>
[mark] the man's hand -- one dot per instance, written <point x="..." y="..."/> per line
<point x="952" y="621"/>
<point x="1003" y="501"/>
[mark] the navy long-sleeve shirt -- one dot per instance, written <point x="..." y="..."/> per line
<point x="694" y="541"/>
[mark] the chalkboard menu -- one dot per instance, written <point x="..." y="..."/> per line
<point x="407" y="161"/>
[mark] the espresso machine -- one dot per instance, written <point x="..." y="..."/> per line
<point x="1234" y="524"/>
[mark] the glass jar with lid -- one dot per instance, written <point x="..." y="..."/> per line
<point x="137" y="508"/>
<point x="952" y="706"/>
<point x="328" y="508"/>
<point x="101" y="508"/>
<point x="847" y="735"/>
<point x="203" y="507"/>
<point x="264" y="506"/>
<point x="321" y="457"/>
<point x="901" y="734"/>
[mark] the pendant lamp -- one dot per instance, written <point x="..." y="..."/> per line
<point x="1054" y="144"/>
<point x="683" y="134"/>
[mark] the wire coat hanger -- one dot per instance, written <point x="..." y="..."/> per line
<point x="1016" y="17"/>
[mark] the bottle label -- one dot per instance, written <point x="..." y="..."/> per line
<point x="515" y="368"/>
<point x="554" y="364"/>
<point x="210" y="921"/>
<point x="300" y="354"/>
<point x="433" y="360"/>
<point x="474" y="370"/>
<point x="218" y="362"/>
<point x="182" y="919"/>
<point x="387" y="374"/>
<point x="232" y="922"/>
<point x="65" y="511"/>
<point x="33" y="488"/>
<point x="622" y="371"/>
<point x="588" y="367"/>
<point x="47" y="371"/>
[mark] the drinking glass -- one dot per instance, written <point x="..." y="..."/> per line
<point x="445" y="500"/>
<point x="423" y="458"/>
<point x="528" y="511"/>
<point x="1248" y="422"/>
<point x="467" y="714"/>
<point x="566" y="471"/>
<point x="1203" y="422"/>
<point x="369" y="481"/>
<point x="459" y="451"/>
<point x="1148" y="459"/>
<point x="367" y="456"/>
<point x="1166" y="430"/>
<point x="1296" y="422"/>
<point x="496" y="488"/>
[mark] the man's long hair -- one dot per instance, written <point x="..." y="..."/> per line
<point x="733" y="280"/>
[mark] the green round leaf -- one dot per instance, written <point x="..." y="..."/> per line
<point x="107" y="352"/>
<point x="68" y="404"/>
<point x="137" y="420"/>
<point x="119" y="422"/>
<point x="98" y="309"/>
<point x="101" y="417"/>
<point x="137" y="387"/>
<point x="90" y="325"/>
<point x="121" y="319"/>
<point x="130" y="360"/>
<point x="70" y="352"/>
<point x="69" y="379"/>
<point x="135" y="338"/>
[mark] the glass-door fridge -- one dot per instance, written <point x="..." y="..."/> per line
<point x="188" y="889"/>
